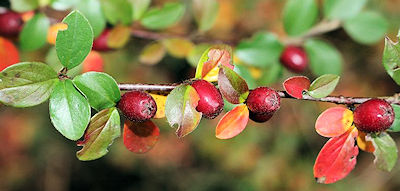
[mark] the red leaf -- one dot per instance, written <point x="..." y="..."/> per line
<point x="93" y="62"/>
<point x="140" y="137"/>
<point x="295" y="86"/>
<point x="337" y="158"/>
<point x="334" y="122"/>
<point x="8" y="54"/>
<point x="233" y="122"/>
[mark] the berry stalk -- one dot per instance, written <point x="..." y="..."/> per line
<point x="166" y="88"/>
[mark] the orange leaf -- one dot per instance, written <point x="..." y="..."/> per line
<point x="337" y="158"/>
<point x="53" y="30"/>
<point x="8" y="54"/>
<point x="218" y="55"/>
<point x="363" y="144"/>
<point x="93" y="62"/>
<point x="233" y="122"/>
<point x="140" y="137"/>
<point x="160" y="101"/>
<point x="295" y="86"/>
<point x="334" y="122"/>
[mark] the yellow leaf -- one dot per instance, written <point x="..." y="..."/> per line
<point x="363" y="144"/>
<point x="160" y="101"/>
<point x="118" y="36"/>
<point x="152" y="53"/>
<point x="178" y="47"/>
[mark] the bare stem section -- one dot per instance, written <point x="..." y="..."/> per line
<point x="166" y="88"/>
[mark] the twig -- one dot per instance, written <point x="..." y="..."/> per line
<point x="166" y="88"/>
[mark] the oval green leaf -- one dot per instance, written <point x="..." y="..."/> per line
<point x="117" y="11"/>
<point x="139" y="8"/>
<point x="100" y="89"/>
<point x="161" y="18"/>
<point x="366" y="27"/>
<point x="385" y="150"/>
<point x="180" y="109"/>
<point x="233" y="87"/>
<point x="342" y="9"/>
<point x="26" y="84"/>
<point x="69" y="110"/>
<point x="299" y="16"/>
<point x="103" y="128"/>
<point x="34" y="33"/>
<point x="262" y="50"/>
<point x="24" y="5"/>
<point x="391" y="59"/>
<point x="324" y="58"/>
<point x="323" y="85"/>
<point x="91" y="9"/>
<point x="75" y="43"/>
<point x="396" y="123"/>
<point x="205" y="13"/>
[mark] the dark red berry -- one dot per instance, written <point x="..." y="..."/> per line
<point x="10" y="23"/>
<point x="374" y="115"/>
<point x="211" y="102"/>
<point x="100" y="43"/>
<point x="294" y="58"/>
<point x="263" y="102"/>
<point x="137" y="106"/>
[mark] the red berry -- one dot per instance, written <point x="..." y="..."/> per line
<point x="10" y="23"/>
<point x="211" y="102"/>
<point x="100" y="43"/>
<point x="374" y="115"/>
<point x="294" y="59"/>
<point x="137" y="106"/>
<point x="263" y="102"/>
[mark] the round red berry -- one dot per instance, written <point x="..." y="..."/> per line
<point x="137" y="106"/>
<point x="263" y="102"/>
<point x="374" y="115"/>
<point x="211" y="102"/>
<point x="100" y="43"/>
<point x="10" y="23"/>
<point x="294" y="58"/>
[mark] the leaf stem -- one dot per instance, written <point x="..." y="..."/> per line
<point x="164" y="89"/>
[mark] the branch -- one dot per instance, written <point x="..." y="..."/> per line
<point x="166" y="88"/>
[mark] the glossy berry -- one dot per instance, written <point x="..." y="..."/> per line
<point x="137" y="106"/>
<point x="374" y="115"/>
<point x="294" y="58"/>
<point x="263" y="102"/>
<point x="10" y="23"/>
<point x="211" y="102"/>
<point x="100" y="43"/>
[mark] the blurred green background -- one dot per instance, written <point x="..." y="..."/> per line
<point x="277" y="155"/>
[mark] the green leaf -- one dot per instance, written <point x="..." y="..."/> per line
<point x="196" y="53"/>
<point x="262" y="50"/>
<point x="271" y="74"/>
<point x="324" y="58"/>
<point x="233" y="87"/>
<point x="117" y="11"/>
<point x="75" y="43"/>
<point x="396" y="123"/>
<point x="53" y="61"/>
<point x="26" y="84"/>
<point x="139" y="8"/>
<point x="385" y="150"/>
<point x="205" y="13"/>
<point x="342" y="9"/>
<point x="299" y="16"/>
<point x="63" y="5"/>
<point x="34" y="33"/>
<point x="24" y="5"/>
<point x="161" y="18"/>
<point x="91" y="9"/>
<point x="367" y="27"/>
<point x="323" y="85"/>
<point x="180" y="109"/>
<point x="100" y="89"/>
<point x="391" y="59"/>
<point x="103" y="128"/>
<point x="69" y="110"/>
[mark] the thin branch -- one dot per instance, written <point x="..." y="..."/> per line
<point x="166" y="88"/>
